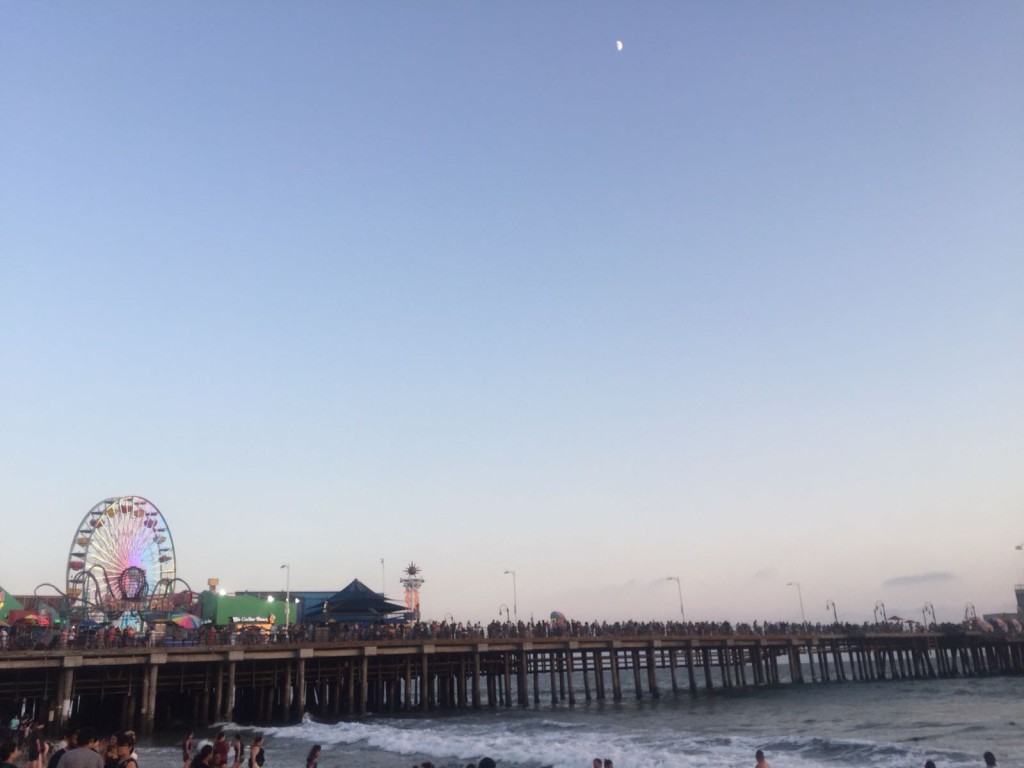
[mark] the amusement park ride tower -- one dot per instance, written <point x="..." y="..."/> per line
<point x="412" y="581"/>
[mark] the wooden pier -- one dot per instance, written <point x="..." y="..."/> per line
<point x="155" y="688"/>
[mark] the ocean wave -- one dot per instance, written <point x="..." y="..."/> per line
<point x="563" y="744"/>
<point x="869" y="726"/>
<point x="560" y="724"/>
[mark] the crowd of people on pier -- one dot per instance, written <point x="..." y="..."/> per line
<point x="71" y="637"/>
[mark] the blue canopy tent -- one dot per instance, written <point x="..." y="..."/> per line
<point x="356" y="603"/>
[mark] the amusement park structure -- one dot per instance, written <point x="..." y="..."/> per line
<point x="412" y="581"/>
<point x="121" y="567"/>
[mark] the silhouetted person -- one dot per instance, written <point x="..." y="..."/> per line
<point x="84" y="754"/>
<point x="203" y="758"/>
<point x="9" y="752"/>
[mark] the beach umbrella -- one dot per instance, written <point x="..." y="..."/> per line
<point x="186" y="620"/>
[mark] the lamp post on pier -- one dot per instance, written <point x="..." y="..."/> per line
<point x="800" y="594"/>
<point x="287" y="593"/>
<point x="832" y="604"/>
<point x="679" y="587"/>
<point x="515" y="597"/>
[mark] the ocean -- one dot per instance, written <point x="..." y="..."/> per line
<point x="863" y="724"/>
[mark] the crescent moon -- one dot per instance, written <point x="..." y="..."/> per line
<point x="618" y="45"/>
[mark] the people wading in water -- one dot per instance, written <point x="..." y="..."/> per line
<point x="256" y="754"/>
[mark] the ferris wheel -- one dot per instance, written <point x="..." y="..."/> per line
<point x="121" y="555"/>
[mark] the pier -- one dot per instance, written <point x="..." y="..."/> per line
<point x="149" y="688"/>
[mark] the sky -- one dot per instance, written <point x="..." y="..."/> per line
<point x="353" y="285"/>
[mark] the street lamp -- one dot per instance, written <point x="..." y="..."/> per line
<point x="832" y="604"/>
<point x="287" y="593"/>
<point x="515" y="597"/>
<point x="679" y="587"/>
<point x="800" y="594"/>
<point x="383" y="580"/>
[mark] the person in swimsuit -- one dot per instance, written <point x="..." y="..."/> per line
<point x="256" y="755"/>
<point x="186" y="750"/>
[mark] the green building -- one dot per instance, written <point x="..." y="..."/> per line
<point x="228" y="610"/>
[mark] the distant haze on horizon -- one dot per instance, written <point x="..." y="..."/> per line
<point x="466" y="286"/>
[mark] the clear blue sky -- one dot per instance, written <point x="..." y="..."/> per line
<point x="462" y="284"/>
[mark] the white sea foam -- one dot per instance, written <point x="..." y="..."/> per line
<point x="833" y="726"/>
